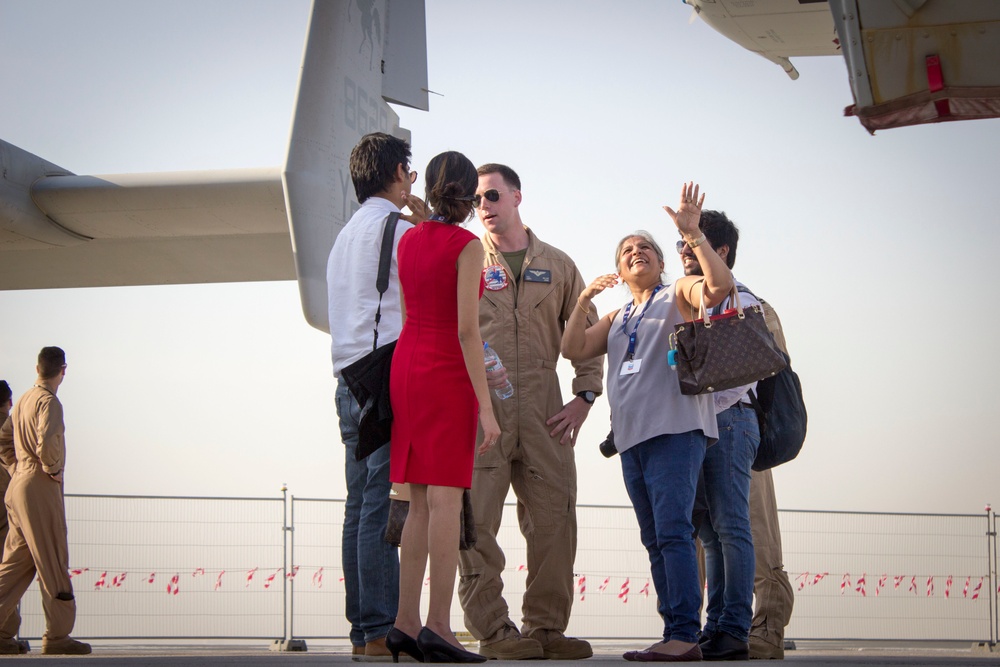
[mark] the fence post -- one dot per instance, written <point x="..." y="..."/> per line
<point x="286" y="643"/>
<point x="284" y="562"/>
<point x="991" y="533"/>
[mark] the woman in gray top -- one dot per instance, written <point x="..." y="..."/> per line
<point x="661" y="434"/>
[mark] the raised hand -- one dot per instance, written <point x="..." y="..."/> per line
<point x="688" y="213"/>
<point x="599" y="284"/>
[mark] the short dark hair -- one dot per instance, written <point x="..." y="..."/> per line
<point x="374" y="161"/>
<point x="720" y="231"/>
<point x="450" y="184"/>
<point x="508" y="175"/>
<point x="50" y="362"/>
<point x="5" y="392"/>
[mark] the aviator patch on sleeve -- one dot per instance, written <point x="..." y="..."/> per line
<point x="538" y="276"/>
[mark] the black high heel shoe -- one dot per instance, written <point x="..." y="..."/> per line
<point x="436" y="649"/>
<point x="398" y="641"/>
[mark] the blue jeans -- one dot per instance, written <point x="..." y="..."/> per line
<point x="661" y="475"/>
<point x="371" y="565"/>
<point x="725" y="532"/>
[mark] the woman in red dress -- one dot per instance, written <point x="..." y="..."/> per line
<point x="437" y="387"/>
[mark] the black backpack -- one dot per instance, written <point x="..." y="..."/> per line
<point x="781" y="413"/>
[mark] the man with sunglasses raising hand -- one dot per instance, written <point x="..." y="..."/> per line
<point x="531" y="290"/>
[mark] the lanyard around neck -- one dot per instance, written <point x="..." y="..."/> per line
<point x="625" y="313"/>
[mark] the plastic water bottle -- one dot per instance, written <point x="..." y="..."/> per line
<point x="493" y="365"/>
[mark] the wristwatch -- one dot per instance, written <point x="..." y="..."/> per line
<point x="588" y="396"/>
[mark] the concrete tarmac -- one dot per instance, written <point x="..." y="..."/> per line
<point x="826" y="654"/>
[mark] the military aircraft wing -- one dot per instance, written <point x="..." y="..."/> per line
<point x="59" y="229"/>
<point x="65" y="230"/>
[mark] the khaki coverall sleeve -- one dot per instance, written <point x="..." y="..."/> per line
<point x="589" y="372"/>
<point x="8" y="457"/>
<point x="51" y="436"/>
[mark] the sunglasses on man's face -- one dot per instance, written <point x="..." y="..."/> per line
<point x="492" y="195"/>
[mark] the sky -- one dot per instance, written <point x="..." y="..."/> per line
<point x="878" y="252"/>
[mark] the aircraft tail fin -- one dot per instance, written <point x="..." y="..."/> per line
<point x="359" y="55"/>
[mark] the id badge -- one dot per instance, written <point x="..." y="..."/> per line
<point x="631" y="366"/>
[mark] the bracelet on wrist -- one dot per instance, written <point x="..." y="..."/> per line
<point x="697" y="242"/>
<point x="586" y="310"/>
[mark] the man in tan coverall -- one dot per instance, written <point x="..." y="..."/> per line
<point x="772" y="591"/>
<point x="6" y="403"/>
<point x="32" y="448"/>
<point x="531" y="290"/>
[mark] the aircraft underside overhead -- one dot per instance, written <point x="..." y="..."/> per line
<point x="909" y="62"/>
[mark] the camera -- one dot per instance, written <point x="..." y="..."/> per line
<point x="608" y="446"/>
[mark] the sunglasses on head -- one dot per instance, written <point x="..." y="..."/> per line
<point x="492" y="195"/>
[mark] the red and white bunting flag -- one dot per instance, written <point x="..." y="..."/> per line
<point x="218" y="581"/>
<point x="860" y="588"/>
<point x="802" y="580"/>
<point x="600" y="589"/>
<point x="250" y="574"/>
<point x="77" y="572"/>
<point x="623" y="593"/>
<point x="267" y="582"/>
<point x="947" y="587"/>
<point x="645" y="589"/>
<point x="913" y="584"/>
<point x="844" y="583"/>
<point x="117" y="581"/>
<point x="582" y="585"/>
<point x="818" y="578"/>
<point x="975" y="591"/>
<point x="522" y="568"/>
<point x="897" y="580"/>
<point x="881" y="583"/>
<point x="198" y="572"/>
<point x="101" y="580"/>
<point x="295" y="571"/>
<point x="965" y="590"/>
<point x="172" y="587"/>
<point x="930" y="586"/>
<point x="318" y="578"/>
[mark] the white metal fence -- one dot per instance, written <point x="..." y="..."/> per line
<point x="269" y="568"/>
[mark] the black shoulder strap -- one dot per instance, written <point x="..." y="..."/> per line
<point x="746" y="290"/>
<point x="385" y="256"/>
<point x="384" y="262"/>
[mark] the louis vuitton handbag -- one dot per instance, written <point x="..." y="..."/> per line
<point x="724" y="351"/>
